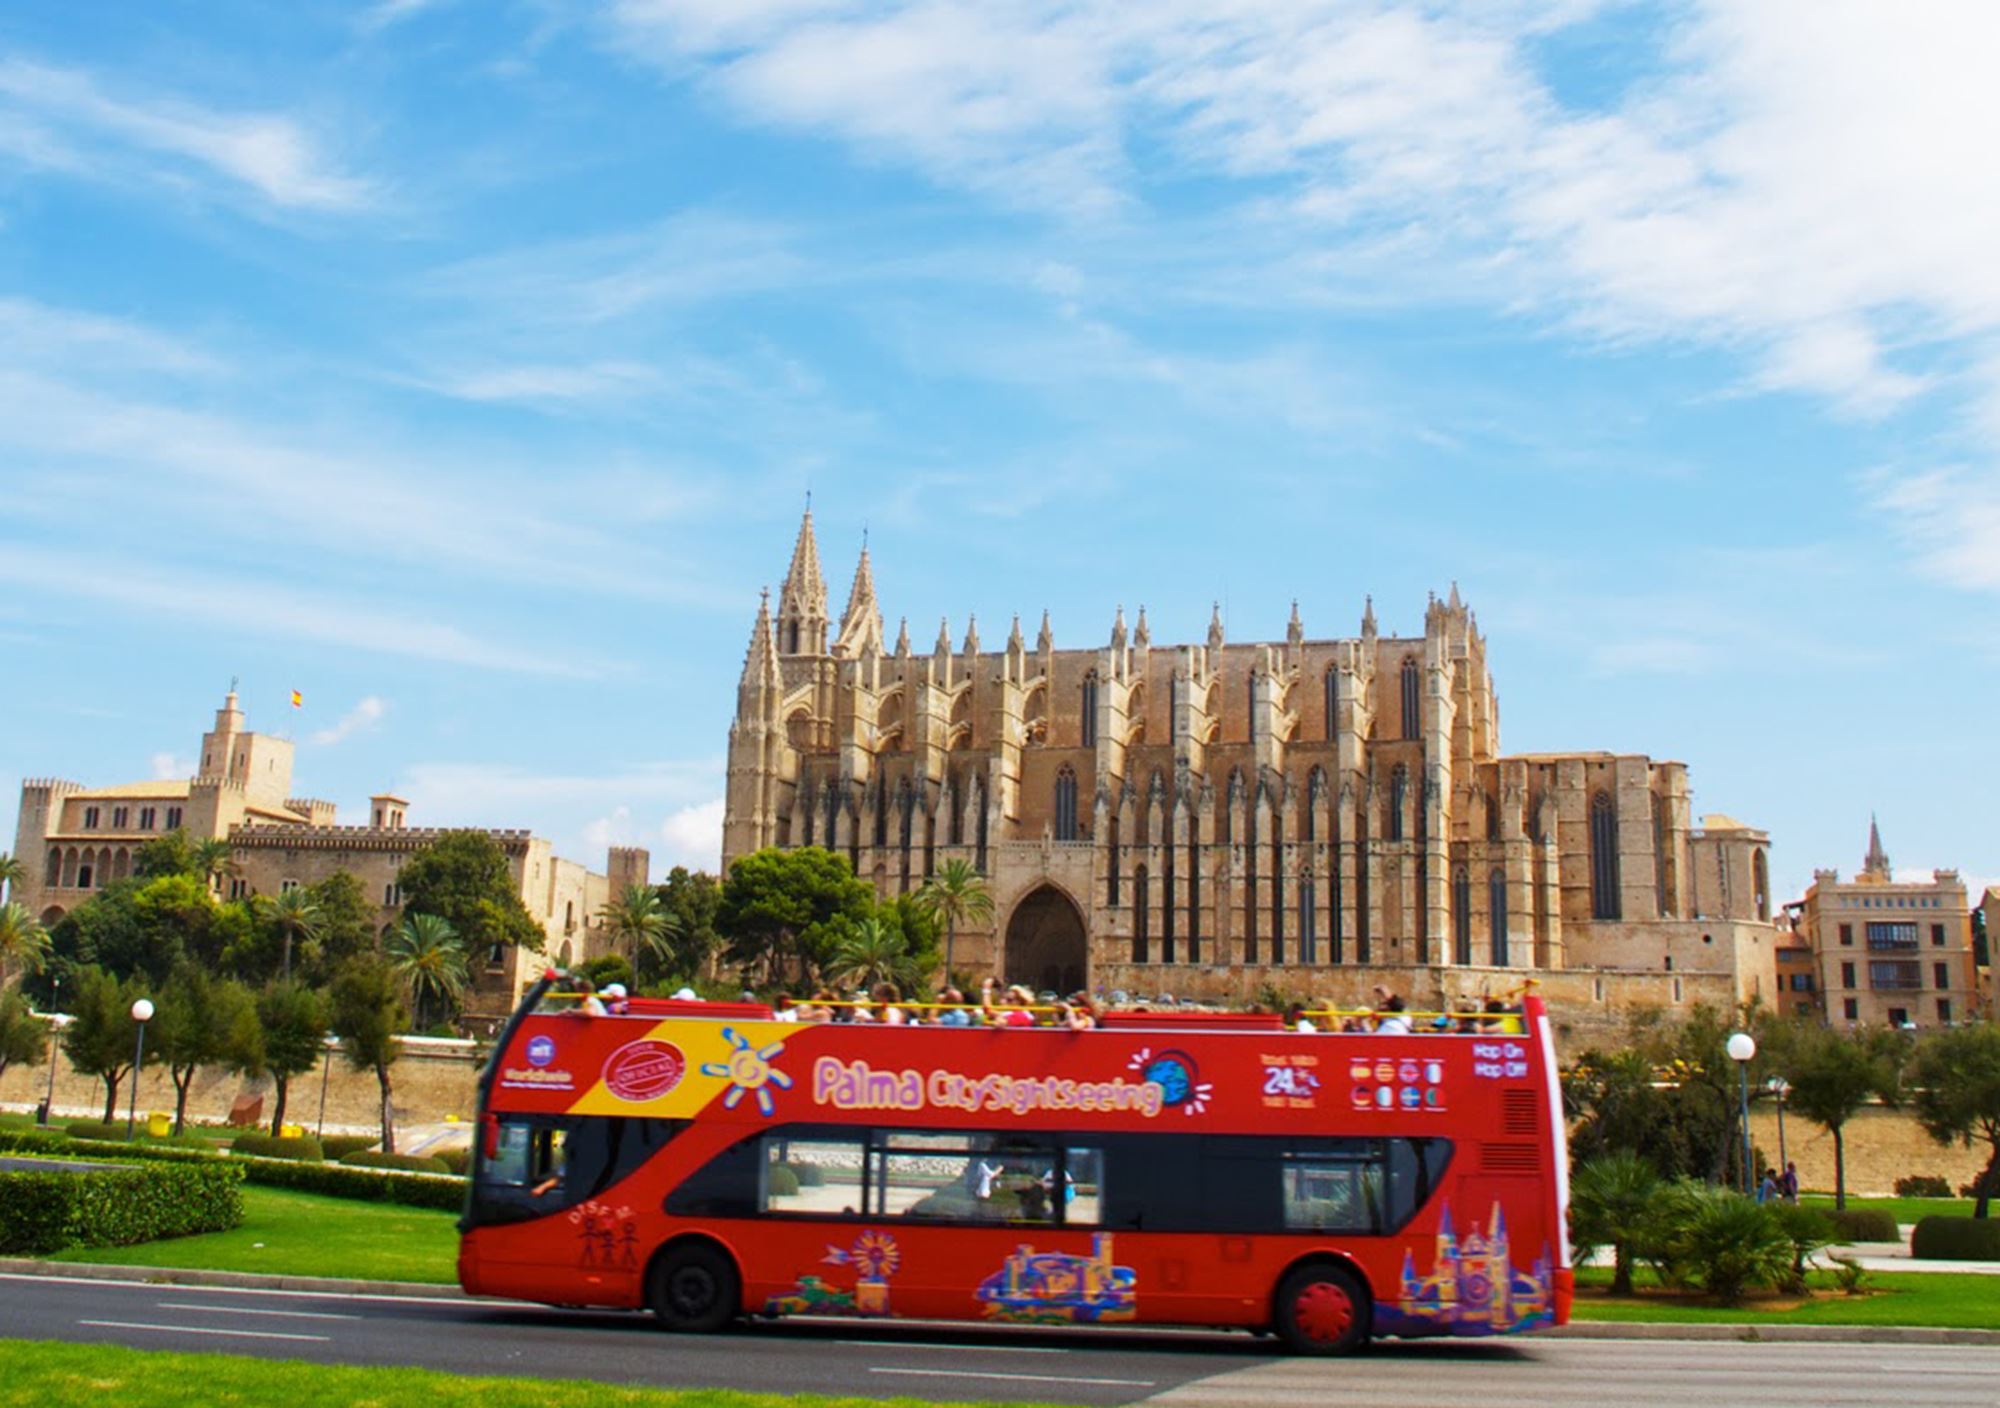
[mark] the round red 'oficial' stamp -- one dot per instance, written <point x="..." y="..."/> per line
<point x="644" y="1070"/>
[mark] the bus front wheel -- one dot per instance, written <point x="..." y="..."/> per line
<point x="694" y="1288"/>
<point x="1321" y="1309"/>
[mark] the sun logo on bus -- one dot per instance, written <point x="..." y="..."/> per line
<point x="1174" y="1072"/>
<point x="749" y="1071"/>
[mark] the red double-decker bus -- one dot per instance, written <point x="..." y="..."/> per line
<point x="707" y="1161"/>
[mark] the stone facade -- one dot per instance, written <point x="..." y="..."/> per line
<point x="75" y="840"/>
<point x="1205" y="818"/>
<point x="1890" y="951"/>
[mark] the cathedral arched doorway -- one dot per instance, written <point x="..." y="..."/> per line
<point x="1047" y="948"/>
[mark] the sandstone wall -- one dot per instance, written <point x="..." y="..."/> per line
<point x="1882" y="1146"/>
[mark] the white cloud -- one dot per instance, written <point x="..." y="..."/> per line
<point x="37" y="334"/>
<point x="269" y="154"/>
<point x="366" y="713"/>
<point x="693" y="837"/>
<point x="168" y="768"/>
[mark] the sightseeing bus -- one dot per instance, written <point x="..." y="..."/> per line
<point x="708" y="1162"/>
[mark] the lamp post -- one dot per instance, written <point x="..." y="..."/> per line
<point x="1780" y="1087"/>
<point x="1741" y="1047"/>
<point x="325" y="1068"/>
<point x="142" y="1013"/>
<point x="55" y="1049"/>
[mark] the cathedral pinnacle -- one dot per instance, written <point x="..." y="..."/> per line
<point x="1877" y="862"/>
<point x="971" y="634"/>
<point x="802" y="596"/>
<point x="903" y="636"/>
<point x="861" y="622"/>
<point x="944" y="636"/>
<point x="1454" y="603"/>
<point x="760" y="661"/>
<point x="1215" y="626"/>
<point x="1295" y="630"/>
<point x="1143" y="634"/>
<point x="1014" y="641"/>
<point x="1118" y="629"/>
<point x="1046" y="641"/>
<point x="1368" y="616"/>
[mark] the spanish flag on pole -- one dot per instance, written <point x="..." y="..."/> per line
<point x="298" y="700"/>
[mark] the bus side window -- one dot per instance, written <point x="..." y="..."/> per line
<point x="1081" y="1179"/>
<point x="811" y="1176"/>
<point x="1331" y="1193"/>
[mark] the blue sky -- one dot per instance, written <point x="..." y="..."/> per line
<point x="465" y="366"/>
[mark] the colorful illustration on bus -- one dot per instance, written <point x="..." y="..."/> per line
<point x="607" y="1238"/>
<point x="874" y="1257"/>
<point x="749" y="1071"/>
<point x="1473" y="1287"/>
<point x="1177" y="1076"/>
<point x="1055" y="1288"/>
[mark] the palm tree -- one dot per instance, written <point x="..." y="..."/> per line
<point x="296" y="915"/>
<point x="12" y="873"/>
<point x="955" y="892"/>
<point x="425" y="955"/>
<point x="209" y="860"/>
<point x="1612" y="1202"/>
<point x="636" y="920"/>
<point x="22" y="940"/>
<point x="872" y="952"/>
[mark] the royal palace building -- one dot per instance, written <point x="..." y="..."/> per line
<point x="1226" y="818"/>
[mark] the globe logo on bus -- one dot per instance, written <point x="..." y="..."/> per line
<point x="541" y="1051"/>
<point x="1177" y="1076"/>
<point x="644" y="1070"/>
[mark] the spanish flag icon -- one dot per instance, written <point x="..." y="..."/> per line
<point x="298" y="700"/>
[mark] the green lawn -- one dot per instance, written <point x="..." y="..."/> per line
<point x="1906" y="1210"/>
<point x="304" y="1234"/>
<point x="1953" y="1300"/>
<point x="33" y="1374"/>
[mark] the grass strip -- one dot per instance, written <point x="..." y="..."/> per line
<point x="1940" y="1300"/>
<point x="36" y="1373"/>
<point x="284" y="1233"/>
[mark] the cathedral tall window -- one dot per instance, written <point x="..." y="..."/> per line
<point x="1308" y="921"/>
<point x="979" y="824"/>
<point x="1142" y="913"/>
<point x="881" y="812"/>
<point x="1496" y="904"/>
<point x="954" y="806"/>
<point x="1315" y="799"/>
<point x="831" y="802"/>
<point x="1331" y="689"/>
<point x="1250" y="882"/>
<point x="1090" y="710"/>
<point x="1760" y="883"/>
<point x="1065" y="818"/>
<point x="1111" y="871"/>
<point x="1413" y="714"/>
<point x="1399" y="792"/>
<point x="1461" y="916"/>
<point x="1194" y="892"/>
<point x="1250" y="709"/>
<point x="1167" y="911"/>
<point x="1604" y="900"/>
<point x="1277" y="888"/>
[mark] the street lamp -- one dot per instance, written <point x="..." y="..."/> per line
<point x="1741" y="1047"/>
<point x="1780" y="1087"/>
<point x="55" y="1049"/>
<point x="142" y="1013"/>
<point x="327" y="1043"/>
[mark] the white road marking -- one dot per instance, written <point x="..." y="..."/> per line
<point x="463" y="1302"/>
<point x="247" y="1310"/>
<point x="198" y="1330"/>
<point x="1016" y="1378"/>
<point x="887" y="1343"/>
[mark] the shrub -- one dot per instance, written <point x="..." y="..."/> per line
<point x="408" y="1163"/>
<point x="809" y="1175"/>
<point x="1849" y="1275"/>
<point x="114" y="1132"/>
<point x="1865" y="1225"/>
<point x="339" y="1146"/>
<point x="458" y="1161"/>
<point x="1957" y="1238"/>
<point x="46" y="1212"/>
<point x="304" y="1148"/>
<point x="1733" y="1243"/>
<point x="1923" y="1185"/>
<point x="95" y="1129"/>
<point x="781" y="1182"/>
<point x="1807" y="1229"/>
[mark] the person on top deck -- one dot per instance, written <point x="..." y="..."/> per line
<point x="588" y="1003"/>
<point x="1390" y="1018"/>
<point x="1079" y="1014"/>
<point x="1296" y="1019"/>
<point x="953" y="1013"/>
<point x="616" y="1003"/>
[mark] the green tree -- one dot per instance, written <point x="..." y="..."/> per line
<point x="23" y="1035"/>
<point x="346" y="926"/>
<point x="636" y="920"/>
<point x="24" y="944"/>
<point x="294" y="915"/>
<point x="149" y="927"/>
<point x="1611" y="1204"/>
<point x="198" y="1021"/>
<point x="368" y="1012"/>
<point x="690" y="899"/>
<point x="427" y="959"/>
<point x="1832" y="1074"/>
<point x="171" y="854"/>
<point x="209" y="861"/>
<point x="1957" y="1096"/>
<point x="101" y="1038"/>
<point x="464" y="878"/>
<point x="867" y="951"/>
<point x="956" y="894"/>
<point x="290" y="1028"/>
<point x="1732" y="1243"/>
<point x="776" y="905"/>
<point x="12" y="873"/>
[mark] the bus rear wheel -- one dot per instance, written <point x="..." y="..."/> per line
<point x="694" y="1288"/>
<point x="1321" y="1309"/>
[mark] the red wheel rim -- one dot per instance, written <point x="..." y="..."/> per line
<point x="1323" y="1311"/>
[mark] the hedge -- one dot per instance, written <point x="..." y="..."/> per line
<point x="1865" y="1225"/>
<point x="1923" y="1185"/>
<point x="339" y="1146"/>
<point x="334" y="1180"/>
<point x="115" y="1130"/>
<point x="1957" y="1238"/>
<point x="272" y="1146"/>
<point x="781" y="1182"/>
<point x="408" y="1163"/>
<point x="46" y="1212"/>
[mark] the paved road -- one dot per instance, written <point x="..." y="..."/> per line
<point x="1189" y="1370"/>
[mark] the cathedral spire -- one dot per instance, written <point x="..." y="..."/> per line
<point x="802" y="596"/>
<point x="1368" y="617"/>
<point x="1454" y="603"/>
<point x="1295" y="630"/>
<point x="1142" y="635"/>
<point x="760" y="661"/>
<point x="1014" y="641"/>
<point x="1877" y="862"/>
<point x="1118" y="629"/>
<point x="944" y="636"/>
<point x="861" y="622"/>
<point x="1215" y="626"/>
<point x="903" y="636"/>
<point x="1046" y="641"/>
<point x="971" y="634"/>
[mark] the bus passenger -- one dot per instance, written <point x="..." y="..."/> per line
<point x="952" y="1001"/>
<point x="588" y="1003"/>
<point x="615" y="1001"/>
<point x="1079" y="1014"/>
<point x="885" y="997"/>
<point x="1390" y="1019"/>
<point x="1296" y="1019"/>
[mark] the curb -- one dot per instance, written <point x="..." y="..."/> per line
<point x="238" y="1280"/>
<point x="1575" y="1330"/>
<point x="1771" y="1334"/>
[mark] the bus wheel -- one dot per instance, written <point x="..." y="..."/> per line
<point x="1321" y="1309"/>
<point x="694" y="1288"/>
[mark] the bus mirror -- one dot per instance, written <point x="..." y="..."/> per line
<point x="490" y="1136"/>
